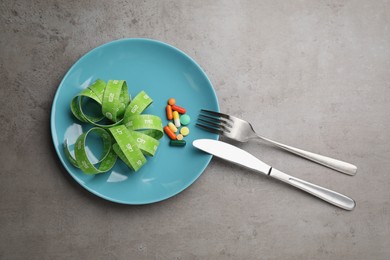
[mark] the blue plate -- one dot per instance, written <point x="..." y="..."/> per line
<point x="163" y="72"/>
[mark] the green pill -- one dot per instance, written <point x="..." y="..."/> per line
<point x="177" y="143"/>
<point x="185" y="119"/>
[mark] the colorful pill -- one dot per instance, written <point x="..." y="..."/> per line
<point x="176" y="119"/>
<point x="184" y="131"/>
<point x="185" y="119"/>
<point x="171" y="101"/>
<point x="169" y="132"/>
<point x="172" y="127"/>
<point x="169" y="112"/>
<point x="179" y="137"/>
<point x="181" y="110"/>
<point x="177" y="143"/>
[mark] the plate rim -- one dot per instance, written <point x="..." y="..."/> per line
<point x="52" y="120"/>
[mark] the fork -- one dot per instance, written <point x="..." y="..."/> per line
<point x="242" y="131"/>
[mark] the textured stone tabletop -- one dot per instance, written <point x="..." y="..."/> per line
<point x="312" y="74"/>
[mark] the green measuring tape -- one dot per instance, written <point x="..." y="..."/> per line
<point x="129" y="136"/>
<point x="81" y="159"/>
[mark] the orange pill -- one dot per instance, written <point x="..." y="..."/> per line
<point x="169" y="112"/>
<point x="181" y="110"/>
<point x="169" y="132"/>
<point x="171" y="101"/>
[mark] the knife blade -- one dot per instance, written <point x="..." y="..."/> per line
<point x="232" y="153"/>
<point x="238" y="156"/>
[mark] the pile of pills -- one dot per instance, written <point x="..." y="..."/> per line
<point x="179" y="124"/>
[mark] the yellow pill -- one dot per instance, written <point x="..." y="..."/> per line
<point x="179" y="137"/>
<point x="184" y="130"/>
<point x="176" y="115"/>
<point x="172" y="127"/>
<point x="176" y="119"/>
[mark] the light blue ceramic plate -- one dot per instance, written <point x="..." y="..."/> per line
<point x="163" y="72"/>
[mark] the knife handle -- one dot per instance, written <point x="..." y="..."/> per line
<point x="325" y="194"/>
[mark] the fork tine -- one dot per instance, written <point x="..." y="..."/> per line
<point x="213" y="124"/>
<point x="210" y="129"/>
<point x="215" y="113"/>
<point x="215" y="120"/>
<point x="211" y="119"/>
<point x="224" y="127"/>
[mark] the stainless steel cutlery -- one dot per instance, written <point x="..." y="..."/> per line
<point x="242" y="131"/>
<point x="238" y="156"/>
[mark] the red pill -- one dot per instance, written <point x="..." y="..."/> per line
<point x="169" y="132"/>
<point x="169" y="112"/>
<point x="181" y="110"/>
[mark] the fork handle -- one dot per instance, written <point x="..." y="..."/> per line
<point x="337" y="165"/>
<point x="325" y="194"/>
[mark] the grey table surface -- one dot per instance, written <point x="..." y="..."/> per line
<point x="313" y="74"/>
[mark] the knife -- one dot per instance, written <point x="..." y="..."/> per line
<point x="238" y="156"/>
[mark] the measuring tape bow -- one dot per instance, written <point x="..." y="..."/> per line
<point x="129" y="136"/>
